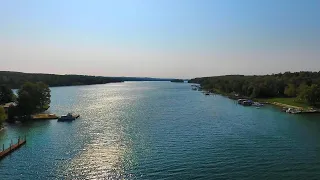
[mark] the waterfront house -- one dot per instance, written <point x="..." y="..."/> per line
<point x="8" y="105"/>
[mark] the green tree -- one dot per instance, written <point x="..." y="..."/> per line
<point x="12" y="112"/>
<point x="255" y="92"/>
<point x="302" y="88"/>
<point x="6" y="94"/>
<point x="26" y="103"/>
<point x="311" y="94"/>
<point x="3" y="116"/>
<point x="291" y="90"/>
<point x="33" y="98"/>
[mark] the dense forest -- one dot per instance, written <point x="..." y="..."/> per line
<point x="15" y="79"/>
<point x="304" y="86"/>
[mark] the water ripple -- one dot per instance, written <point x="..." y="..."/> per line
<point x="162" y="131"/>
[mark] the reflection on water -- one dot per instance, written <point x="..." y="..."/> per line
<point x="104" y="155"/>
<point x="162" y="130"/>
<point x="98" y="160"/>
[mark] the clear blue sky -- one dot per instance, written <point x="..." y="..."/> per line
<point x="167" y="38"/>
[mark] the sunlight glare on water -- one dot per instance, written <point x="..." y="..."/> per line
<point x="162" y="130"/>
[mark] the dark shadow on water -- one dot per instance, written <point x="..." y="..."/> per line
<point x="65" y="122"/>
<point x="14" y="130"/>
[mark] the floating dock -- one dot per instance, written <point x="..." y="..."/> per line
<point x="44" y="116"/>
<point x="13" y="147"/>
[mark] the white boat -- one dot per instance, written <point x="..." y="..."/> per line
<point x="257" y="104"/>
<point x="69" y="117"/>
<point x="293" y="111"/>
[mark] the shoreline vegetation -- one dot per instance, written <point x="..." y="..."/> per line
<point x="15" y="80"/>
<point x="278" y="102"/>
<point x="177" y="81"/>
<point x="298" y="90"/>
<point x="286" y="102"/>
<point x="31" y="98"/>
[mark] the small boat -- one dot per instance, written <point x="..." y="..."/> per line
<point x="240" y="101"/>
<point x="69" y="117"/>
<point x="245" y="102"/>
<point x="257" y="104"/>
<point x="293" y="111"/>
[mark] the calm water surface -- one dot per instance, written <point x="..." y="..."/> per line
<point x="162" y="130"/>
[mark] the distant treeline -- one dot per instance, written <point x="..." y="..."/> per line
<point x="15" y="80"/>
<point x="177" y="80"/>
<point x="142" y="79"/>
<point x="303" y="85"/>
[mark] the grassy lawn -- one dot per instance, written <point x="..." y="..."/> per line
<point x="288" y="101"/>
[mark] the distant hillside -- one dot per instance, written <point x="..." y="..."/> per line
<point x="16" y="79"/>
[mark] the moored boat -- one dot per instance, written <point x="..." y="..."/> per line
<point x="257" y="104"/>
<point x="293" y="111"/>
<point x="245" y="102"/>
<point x="69" y="117"/>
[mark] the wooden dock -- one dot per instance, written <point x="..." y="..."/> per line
<point x="44" y="116"/>
<point x="12" y="148"/>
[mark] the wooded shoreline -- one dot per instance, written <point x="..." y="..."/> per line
<point x="299" y="90"/>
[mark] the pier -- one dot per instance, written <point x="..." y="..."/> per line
<point x="12" y="147"/>
<point x="44" y="116"/>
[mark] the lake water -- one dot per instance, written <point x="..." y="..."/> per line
<point x="162" y="130"/>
